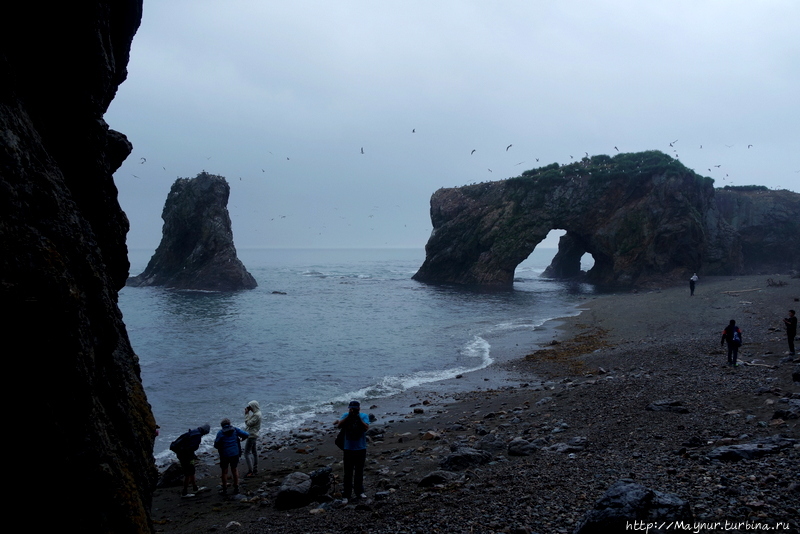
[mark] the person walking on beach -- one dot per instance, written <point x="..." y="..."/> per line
<point x="732" y="335"/>
<point x="692" y="281"/>
<point x="355" y="425"/>
<point x="184" y="448"/>
<point x="791" y="330"/>
<point x="252" y="424"/>
<point x="229" y="447"/>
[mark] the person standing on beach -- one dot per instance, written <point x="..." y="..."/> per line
<point x="184" y="448"/>
<point x="252" y="423"/>
<point x="229" y="447"/>
<point x="733" y="336"/>
<point x="692" y="281"/>
<point x="355" y="425"/>
<point x="791" y="330"/>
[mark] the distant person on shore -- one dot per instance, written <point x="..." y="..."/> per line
<point x="692" y="281"/>
<point x="791" y="330"/>
<point x="732" y="335"/>
<point x="252" y="423"/>
<point x="184" y="448"/>
<point x="230" y="449"/>
<point x="355" y="425"/>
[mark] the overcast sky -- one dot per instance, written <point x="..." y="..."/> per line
<point x="281" y="97"/>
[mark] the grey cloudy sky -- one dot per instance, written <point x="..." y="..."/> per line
<point x="280" y="98"/>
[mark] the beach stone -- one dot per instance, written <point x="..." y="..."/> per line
<point x="752" y="450"/>
<point x="294" y="491"/>
<point x="172" y="476"/>
<point x="521" y="447"/>
<point x="667" y="405"/>
<point x="320" y="481"/>
<point x="464" y="458"/>
<point x="625" y="502"/>
<point x="491" y="442"/>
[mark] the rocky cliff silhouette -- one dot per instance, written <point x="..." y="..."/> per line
<point x="196" y="249"/>
<point x="79" y="414"/>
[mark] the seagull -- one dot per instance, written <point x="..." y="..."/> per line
<point x="748" y="146"/>
<point x="490" y="170"/>
<point x="473" y="151"/>
<point x="520" y="163"/>
<point x="701" y="146"/>
<point x="509" y="146"/>
<point x="362" y="149"/>
<point x="718" y="166"/>
<point x="143" y="160"/>
<point x="615" y="148"/>
<point x="587" y="154"/>
<point x="413" y="130"/>
<point x="729" y="146"/>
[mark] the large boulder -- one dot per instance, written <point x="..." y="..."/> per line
<point x="64" y="259"/>
<point x="196" y="249"/>
<point x="626" y="502"/>
<point x="644" y="217"/>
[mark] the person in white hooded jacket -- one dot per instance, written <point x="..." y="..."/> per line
<point x="252" y="421"/>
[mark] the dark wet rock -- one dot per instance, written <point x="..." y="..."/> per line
<point x="576" y="444"/>
<point x="644" y="217"/>
<point x="464" y="458"/>
<point x="521" y="447"/>
<point x="196" y="249"/>
<point x="64" y="258"/>
<point x="491" y="443"/>
<point x="294" y="491"/>
<point x="752" y="450"/>
<point x="667" y="405"/>
<point x="320" y="481"/>
<point x="439" y="477"/>
<point x="171" y="476"/>
<point x="626" y="502"/>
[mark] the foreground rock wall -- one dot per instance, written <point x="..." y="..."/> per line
<point x="196" y="249"/>
<point x="644" y="218"/>
<point x="81" y="417"/>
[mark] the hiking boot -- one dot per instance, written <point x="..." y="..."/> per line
<point x="236" y="490"/>
<point x="223" y="490"/>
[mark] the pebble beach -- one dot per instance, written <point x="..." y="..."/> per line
<point x="635" y="388"/>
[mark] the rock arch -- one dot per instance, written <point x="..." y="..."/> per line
<point x="643" y="217"/>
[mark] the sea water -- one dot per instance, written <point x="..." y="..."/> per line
<point x="322" y="327"/>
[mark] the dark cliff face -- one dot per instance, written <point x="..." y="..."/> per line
<point x="196" y="249"/>
<point x="644" y="217"/>
<point x="767" y="225"/>
<point x="82" y="412"/>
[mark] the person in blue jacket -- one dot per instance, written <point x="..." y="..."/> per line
<point x="355" y="424"/>
<point x="229" y="447"/>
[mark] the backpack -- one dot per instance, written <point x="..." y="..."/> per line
<point x="737" y="337"/>
<point x="181" y="444"/>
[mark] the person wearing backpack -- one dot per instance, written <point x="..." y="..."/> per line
<point x="355" y="425"/>
<point x="184" y="448"/>
<point x="228" y="444"/>
<point x="732" y="335"/>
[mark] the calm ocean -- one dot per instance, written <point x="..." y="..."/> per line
<point x="351" y="324"/>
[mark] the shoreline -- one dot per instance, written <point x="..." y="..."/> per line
<point x="623" y="351"/>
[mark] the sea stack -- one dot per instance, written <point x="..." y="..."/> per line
<point x="196" y="249"/>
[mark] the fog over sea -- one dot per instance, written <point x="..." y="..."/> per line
<point x="352" y="324"/>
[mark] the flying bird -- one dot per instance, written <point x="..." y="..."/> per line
<point x="490" y="170"/>
<point x="362" y="149"/>
<point x="748" y="146"/>
<point x="615" y="148"/>
<point x="473" y="151"/>
<point x="509" y="146"/>
<point x="520" y="163"/>
<point x="143" y="160"/>
<point x="413" y="130"/>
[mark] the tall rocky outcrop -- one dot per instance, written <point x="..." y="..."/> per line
<point x="644" y="217"/>
<point x="79" y="417"/>
<point x="196" y="249"/>
<point x="767" y="224"/>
